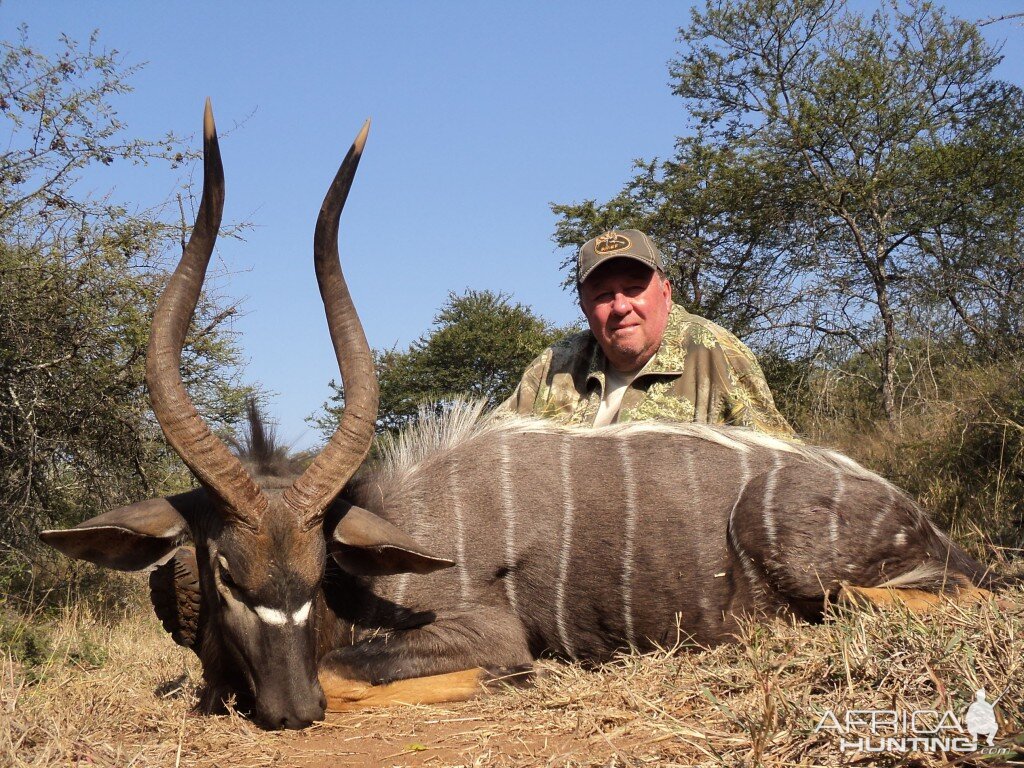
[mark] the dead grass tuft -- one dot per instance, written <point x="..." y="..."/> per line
<point x="753" y="703"/>
<point x="131" y="708"/>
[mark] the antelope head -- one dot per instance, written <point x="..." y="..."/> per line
<point x="260" y="543"/>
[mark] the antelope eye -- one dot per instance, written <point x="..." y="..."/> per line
<point x="224" y="572"/>
<point x="228" y="587"/>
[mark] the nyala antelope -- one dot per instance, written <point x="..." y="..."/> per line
<point x="478" y="543"/>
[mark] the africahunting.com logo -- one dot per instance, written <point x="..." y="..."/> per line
<point x="919" y="730"/>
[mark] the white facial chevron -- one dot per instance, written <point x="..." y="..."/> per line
<point x="300" y="616"/>
<point x="277" y="618"/>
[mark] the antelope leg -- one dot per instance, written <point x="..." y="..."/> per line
<point x="483" y="637"/>
<point x="915" y="600"/>
<point x="346" y="695"/>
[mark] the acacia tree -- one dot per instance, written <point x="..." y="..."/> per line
<point x="841" y="204"/>
<point x="479" y="345"/>
<point x="80" y="275"/>
<point x="971" y="242"/>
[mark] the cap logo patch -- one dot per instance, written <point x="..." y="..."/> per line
<point x="610" y="242"/>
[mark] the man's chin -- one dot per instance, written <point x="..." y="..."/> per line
<point x="626" y="338"/>
<point x="627" y="357"/>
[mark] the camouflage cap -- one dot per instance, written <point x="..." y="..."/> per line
<point x="617" y="244"/>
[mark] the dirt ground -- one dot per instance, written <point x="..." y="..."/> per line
<point x="432" y="736"/>
<point x="753" y="703"/>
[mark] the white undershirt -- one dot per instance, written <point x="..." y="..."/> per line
<point x="615" y="385"/>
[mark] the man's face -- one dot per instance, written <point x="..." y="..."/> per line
<point x="627" y="306"/>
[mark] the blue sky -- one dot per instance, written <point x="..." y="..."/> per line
<point x="483" y="114"/>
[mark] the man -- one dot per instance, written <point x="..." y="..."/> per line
<point x="644" y="357"/>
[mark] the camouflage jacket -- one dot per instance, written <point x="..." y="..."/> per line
<point x="700" y="373"/>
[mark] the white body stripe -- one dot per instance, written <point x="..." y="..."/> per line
<point x="768" y="508"/>
<point x="508" y="511"/>
<point x="564" y="553"/>
<point x="401" y="588"/>
<point x="746" y="564"/>
<point x="833" y="520"/>
<point x="629" y="482"/>
<point x="883" y="513"/>
<point x="744" y="479"/>
<point x="690" y="473"/>
<point x="460" y="533"/>
<point x="416" y="511"/>
<point x="690" y="487"/>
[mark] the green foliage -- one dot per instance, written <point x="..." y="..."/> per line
<point x="75" y="430"/>
<point x="80" y="277"/>
<point x="58" y="113"/>
<point x="852" y="182"/>
<point x="25" y="641"/>
<point x="36" y="643"/>
<point x="479" y="345"/>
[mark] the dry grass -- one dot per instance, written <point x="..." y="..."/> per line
<point x="754" y="703"/>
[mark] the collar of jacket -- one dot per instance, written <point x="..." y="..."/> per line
<point x="667" y="361"/>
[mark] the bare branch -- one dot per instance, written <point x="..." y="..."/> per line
<point x="997" y="19"/>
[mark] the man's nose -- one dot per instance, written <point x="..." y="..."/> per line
<point x="621" y="305"/>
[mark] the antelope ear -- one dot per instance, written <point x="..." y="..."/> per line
<point x="130" y="538"/>
<point x="366" y="545"/>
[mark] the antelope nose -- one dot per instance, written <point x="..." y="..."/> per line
<point x="319" y="708"/>
<point x="291" y="722"/>
<point x="295" y="717"/>
<point x="307" y="715"/>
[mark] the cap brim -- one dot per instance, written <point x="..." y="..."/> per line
<point x="612" y="257"/>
